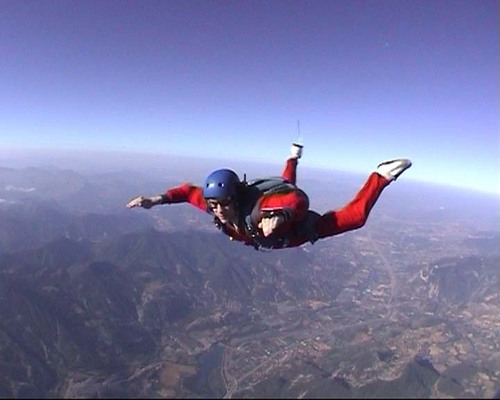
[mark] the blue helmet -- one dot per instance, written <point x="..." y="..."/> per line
<point x="221" y="183"/>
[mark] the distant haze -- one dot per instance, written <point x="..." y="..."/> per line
<point x="364" y="81"/>
<point x="185" y="168"/>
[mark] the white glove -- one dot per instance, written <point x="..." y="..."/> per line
<point x="296" y="150"/>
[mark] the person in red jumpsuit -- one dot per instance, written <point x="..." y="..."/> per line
<point x="279" y="216"/>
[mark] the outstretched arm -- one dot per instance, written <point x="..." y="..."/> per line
<point x="185" y="193"/>
<point x="146" y="202"/>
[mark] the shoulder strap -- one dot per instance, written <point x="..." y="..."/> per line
<point x="247" y="199"/>
<point x="251" y="193"/>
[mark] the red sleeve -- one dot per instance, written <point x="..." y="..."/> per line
<point x="187" y="193"/>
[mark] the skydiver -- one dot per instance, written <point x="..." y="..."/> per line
<point x="274" y="213"/>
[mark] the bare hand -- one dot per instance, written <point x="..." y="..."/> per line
<point x="269" y="224"/>
<point x="140" y="201"/>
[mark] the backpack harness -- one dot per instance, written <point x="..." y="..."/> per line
<point x="251" y="192"/>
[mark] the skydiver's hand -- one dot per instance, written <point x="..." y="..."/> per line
<point x="141" y="201"/>
<point x="269" y="224"/>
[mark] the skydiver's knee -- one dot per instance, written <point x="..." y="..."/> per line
<point x="334" y="223"/>
<point x="307" y="226"/>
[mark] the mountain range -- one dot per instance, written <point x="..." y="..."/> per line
<point x="101" y="301"/>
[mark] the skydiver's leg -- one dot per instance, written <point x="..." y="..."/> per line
<point x="290" y="171"/>
<point x="355" y="213"/>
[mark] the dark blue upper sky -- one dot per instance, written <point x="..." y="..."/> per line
<point x="368" y="80"/>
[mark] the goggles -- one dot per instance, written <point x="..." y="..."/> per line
<point x="213" y="203"/>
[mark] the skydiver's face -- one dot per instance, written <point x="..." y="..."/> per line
<point x="224" y="209"/>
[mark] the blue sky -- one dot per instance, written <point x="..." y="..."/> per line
<point x="368" y="81"/>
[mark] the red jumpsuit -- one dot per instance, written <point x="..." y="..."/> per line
<point x="303" y="225"/>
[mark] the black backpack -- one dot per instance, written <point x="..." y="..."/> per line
<point x="249" y="193"/>
<point x="249" y="214"/>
